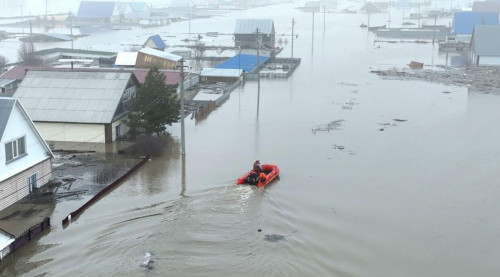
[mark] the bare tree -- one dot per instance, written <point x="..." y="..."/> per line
<point x="3" y="62"/>
<point x="25" y="53"/>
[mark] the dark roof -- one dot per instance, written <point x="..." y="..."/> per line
<point x="6" y="105"/>
<point x="246" y="62"/>
<point x="486" y="6"/>
<point x="158" y="41"/>
<point x="91" y="9"/>
<point x="485" y="40"/>
<point x="464" y="22"/>
<point x="17" y="72"/>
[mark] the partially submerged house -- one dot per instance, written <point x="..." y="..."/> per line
<point x="214" y="75"/>
<point x="484" y="46"/>
<point x="245" y="34"/>
<point x="148" y="58"/>
<point x="78" y="106"/>
<point x="375" y="7"/>
<point x="24" y="155"/>
<point x="247" y="63"/>
<point x="155" y="42"/>
<point x="112" y="12"/>
<point x="464" y="22"/>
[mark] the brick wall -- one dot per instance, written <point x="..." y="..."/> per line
<point x="16" y="187"/>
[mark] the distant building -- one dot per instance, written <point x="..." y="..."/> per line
<point x="214" y="75"/>
<point x="245" y="35"/>
<point x="78" y="106"/>
<point x="464" y="22"/>
<point x="47" y="57"/>
<point x="148" y="58"/>
<point x="484" y="47"/>
<point x="112" y="12"/>
<point x="24" y="155"/>
<point x="155" y="42"/>
<point x="375" y="7"/>
<point x="486" y="6"/>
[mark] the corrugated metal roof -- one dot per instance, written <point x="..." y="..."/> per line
<point x="486" y="40"/>
<point x="486" y="6"/>
<point x="17" y="72"/>
<point x="161" y="54"/>
<point x="126" y="58"/>
<point x="249" y="26"/>
<point x="59" y="36"/>
<point x="464" y="22"/>
<point x="6" y="105"/>
<point x="94" y="9"/>
<point x="6" y="82"/>
<point x="160" y="44"/>
<point x="221" y="72"/>
<point x="72" y="96"/>
<point x="246" y="62"/>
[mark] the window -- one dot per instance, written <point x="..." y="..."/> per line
<point x="15" y="149"/>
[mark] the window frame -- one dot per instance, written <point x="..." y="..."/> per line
<point x="15" y="151"/>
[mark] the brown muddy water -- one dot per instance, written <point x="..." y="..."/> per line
<point x="378" y="177"/>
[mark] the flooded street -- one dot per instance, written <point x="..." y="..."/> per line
<point x="378" y="177"/>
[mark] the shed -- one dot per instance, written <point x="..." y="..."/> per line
<point x="464" y="22"/>
<point x="247" y="63"/>
<point x="214" y="75"/>
<point x="149" y="57"/>
<point x="245" y="35"/>
<point x="155" y="42"/>
<point x="78" y="106"/>
<point x="484" y="50"/>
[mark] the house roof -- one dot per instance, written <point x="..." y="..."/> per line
<point x="126" y="58"/>
<point x="486" y="6"/>
<point x="160" y="54"/>
<point x="74" y="51"/>
<point x="17" y="72"/>
<point x="6" y="82"/>
<point x="485" y="40"/>
<point x="249" y="26"/>
<point x="464" y="22"/>
<point x="6" y="105"/>
<point x="72" y="96"/>
<point x="5" y="239"/>
<point x="94" y="9"/>
<point x="221" y="72"/>
<point x="242" y="61"/>
<point x="158" y="41"/>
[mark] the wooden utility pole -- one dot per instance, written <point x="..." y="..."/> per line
<point x="258" y="69"/>
<point x="324" y="18"/>
<point x="293" y="24"/>
<point x="181" y="85"/>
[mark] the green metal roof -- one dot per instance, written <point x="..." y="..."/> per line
<point x="74" y="51"/>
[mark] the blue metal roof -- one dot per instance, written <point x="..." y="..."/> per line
<point x="158" y="41"/>
<point x="246" y="62"/>
<point x="89" y="9"/>
<point x="464" y="22"/>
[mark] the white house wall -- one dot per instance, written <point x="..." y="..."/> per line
<point x="489" y="61"/>
<point x="71" y="132"/>
<point x="18" y="127"/>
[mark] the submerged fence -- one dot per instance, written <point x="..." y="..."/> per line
<point x="30" y="234"/>
<point x="104" y="191"/>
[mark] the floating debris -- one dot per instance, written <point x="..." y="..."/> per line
<point x="400" y="120"/>
<point x="148" y="261"/>
<point x="339" y="147"/>
<point x="273" y="237"/>
<point x="334" y="125"/>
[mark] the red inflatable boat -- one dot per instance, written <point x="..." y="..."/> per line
<point x="271" y="171"/>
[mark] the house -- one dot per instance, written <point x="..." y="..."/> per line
<point x="214" y="75"/>
<point x="155" y="42"/>
<point x="99" y="11"/>
<point x="78" y="106"/>
<point x="484" y="50"/>
<point x="24" y="155"/>
<point x="464" y="22"/>
<point x="245" y="35"/>
<point x="47" y="57"/>
<point x="148" y="58"/>
<point x="486" y="6"/>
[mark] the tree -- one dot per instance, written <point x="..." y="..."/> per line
<point x="3" y="62"/>
<point x="155" y="107"/>
<point x="25" y="53"/>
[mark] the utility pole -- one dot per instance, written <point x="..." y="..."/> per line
<point x="293" y="24"/>
<point x="313" y="30"/>
<point x="189" y="22"/>
<point x="71" y="29"/>
<point x="258" y="69"/>
<point x="419" y="15"/>
<point x="181" y="85"/>
<point x="324" y="18"/>
<point x="434" y="32"/>
<point x="31" y="40"/>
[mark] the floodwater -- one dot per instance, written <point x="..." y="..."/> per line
<point x="378" y="177"/>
